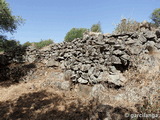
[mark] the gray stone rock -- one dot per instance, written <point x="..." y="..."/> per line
<point x="118" y="52"/>
<point x="135" y="50"/>
<point x="97" y="90"/>
<point x="123" y="38"/>
<point x="62" y="85"/>
<point x="75" y="67"/>
<point x="96" y="71"/>
<point x="31" y="58"/>
<point x="100" y="37"/>
<point x="52" y="63"/>
<point x="91" y="70"/>
<point x="30" y="48"/>
<point x="130" y="41"/>
<point x="103" y="76"/>
<point x="158" y="33"/>
<point x="115" y="60"/>
<point x="45" y="49"/>
<point x="150" y="43"/>
<point x="99" y="42"/>
<point x="93" y="79"/>
<point x="126" y="57"/>
<point x="65" y="85"/>
<point x="62" y="65"/>
<point x="149" y="34"/>
<point x="85" y="67"/>
<point x="135" y="35"/>
<point x="157" y="45"/>
<point x="56" y="75"/>
<point x="112" y="70"/>
<point x="111" y="41"/>
<point x="85" y="76"/>
<point x="101" y="60"/>
<point x="142" y="38"/>
<point x="117" y="79"/>
<point x="82" y="81"/>
<point x="117" y="46"/>
<point x="68" y="74"/>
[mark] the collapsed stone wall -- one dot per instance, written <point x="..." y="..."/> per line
<point x="96" y="57"/>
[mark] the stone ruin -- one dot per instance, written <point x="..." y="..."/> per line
<point x="95" y="58"/>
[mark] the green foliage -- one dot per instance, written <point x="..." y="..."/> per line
<point x="75" y="33"/>
<point x="40" y="44"/>
<point x="96" y="28"/>
<point x="26" y="44"/>
<point x="155" y="16"/>
<point x="43" y="43"/>
<point x="8" y="22"/>
<point x="7" y="45"/>
<point x="127" y="25"/>
<point x="2" y="39"/>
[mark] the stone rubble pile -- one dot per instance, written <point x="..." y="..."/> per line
<point x="96" y="57"/>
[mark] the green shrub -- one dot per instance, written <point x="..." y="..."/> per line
<point x="155" y="16"/>
<point x="2" y="39"/>
<point x="10" y="45"/>
<point x="40" y="44"/>
<point x="43" y="43"/>
<point x="127" y="25"/>
<point x="26" y="44"/>
<point x="75" y="33"/>
<point x="96" y="28"/>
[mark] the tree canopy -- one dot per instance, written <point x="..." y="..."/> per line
<point x="155" y="16"/>
<point x="8" y="22"/>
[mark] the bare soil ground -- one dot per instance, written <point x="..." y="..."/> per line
<point x="35" y="100"/>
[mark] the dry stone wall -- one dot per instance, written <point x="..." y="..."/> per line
<point x="96" y="57"/>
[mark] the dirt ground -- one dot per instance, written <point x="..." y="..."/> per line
<point x="35" y="100"/>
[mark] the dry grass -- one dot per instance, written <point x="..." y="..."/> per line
<point x="32" y="101"/>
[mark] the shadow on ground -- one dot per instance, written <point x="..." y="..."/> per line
<point x="48" y="106"/>
<point x="12" y="74"/>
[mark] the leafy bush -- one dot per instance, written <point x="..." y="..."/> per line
<point x="127" y="25"/>
<point x="2" y="39"/>
<point x="96" y="28"/>
<point x="155" y="16"/>
<point x="75" y="33"/>
<point x="40" y="44"/>
<point x="43" y="43"/>
<point x="26" y="44"/>
<point x="9" y="45"/>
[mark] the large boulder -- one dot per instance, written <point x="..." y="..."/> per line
<point x="117" y="79"/>
<point x="52" y="63"/>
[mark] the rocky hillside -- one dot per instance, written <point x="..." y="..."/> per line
<point x="91" y="59"/>
<point x="115" y="73"/>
